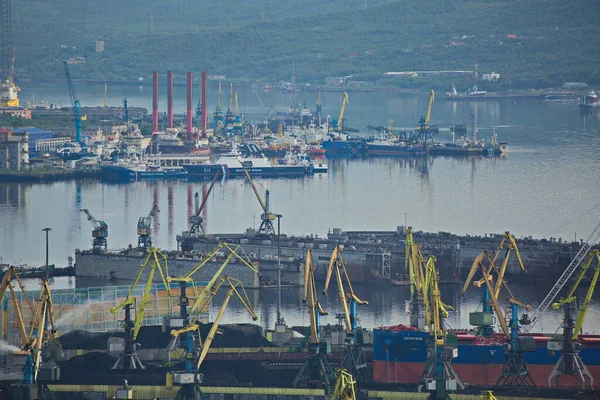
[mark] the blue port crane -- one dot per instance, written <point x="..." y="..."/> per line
<point x="75" y="104"/>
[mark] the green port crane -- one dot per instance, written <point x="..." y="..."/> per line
<point x="316" y="370"/>
<point x="570" y="363"/>
<point x="353" y="359"/>
<point x="99" y="233"/>
<point x="144" y="228"/>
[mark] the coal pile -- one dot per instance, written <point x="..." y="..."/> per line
<point x="85" y="340"/>
<point x="95" y="369"/>
<point x="152" y="337"/>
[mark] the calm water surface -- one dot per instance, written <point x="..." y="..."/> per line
<point x="547" y="186"/>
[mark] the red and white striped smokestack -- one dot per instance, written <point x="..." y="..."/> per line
<point x="203" y="103"/>
<point x="170" y="99"/>
<point x="189" y="102"/>
<point x="154" y="102"/>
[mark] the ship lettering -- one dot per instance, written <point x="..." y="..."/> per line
<point x="412" y="338"/>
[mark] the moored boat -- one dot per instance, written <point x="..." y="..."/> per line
<point x="232" y="164"/>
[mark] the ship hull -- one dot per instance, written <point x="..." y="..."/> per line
<point x="124" y="174"/>
<point x="399" y="357"/>
<point x="342" y="146"/>
<point x="390" y="150"/>
<point x="209" y="170"/>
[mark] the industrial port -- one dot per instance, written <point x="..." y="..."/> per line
<point x="158" y="328"/>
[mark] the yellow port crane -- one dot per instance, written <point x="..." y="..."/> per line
<point x="424" y="122"/>
<point x="483" y="320"/>
<point x="515" y="370"/>
<point x="316" y="370"/>
<point x="337" y="125"/>
<point x="570" y="363"/>
<point x="187" y="326"/>
<point x="192" y="378"/>
<point x="414" y="263"/>
<point x="6" y="284"/>
<point x="439" y="375"/>
<point x="129" y="359"/>
<point x="344" y="386"/>
<point x="353" y="359"/>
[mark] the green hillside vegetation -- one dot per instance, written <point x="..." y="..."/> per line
<point x="534" y="43"/>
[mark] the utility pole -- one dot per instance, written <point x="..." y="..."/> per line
<point x="47" y="230"/>
<point x="280" y="320"/>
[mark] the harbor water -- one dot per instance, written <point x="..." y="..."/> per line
<point x="547" y="186"/>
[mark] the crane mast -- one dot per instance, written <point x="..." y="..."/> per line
<point x="99" y="232"/>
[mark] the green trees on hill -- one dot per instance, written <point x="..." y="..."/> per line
<point x="532" y="43"/>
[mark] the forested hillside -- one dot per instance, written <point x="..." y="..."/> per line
<point x="533" y="43"/>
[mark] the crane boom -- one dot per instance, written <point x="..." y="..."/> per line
<point x="562" y="280"/>
<point x="311" y="298"/>
<point x="342" y="109"/>
<point x="235" y="287"/>
<point x="336" y="262"/>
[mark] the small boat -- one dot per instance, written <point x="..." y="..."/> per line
<point x="590" y="101"/>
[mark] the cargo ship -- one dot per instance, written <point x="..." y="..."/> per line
<point x="399" y="355"/>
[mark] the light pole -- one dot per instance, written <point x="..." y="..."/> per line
<point x="279" y="319"/>
<point x="47" y="230"/>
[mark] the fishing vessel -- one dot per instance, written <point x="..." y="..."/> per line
<point x="139" y="172"/>
<point x="343" y="144"/>
<point x="232" y="164"/>
<point x="388" y="146"/>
